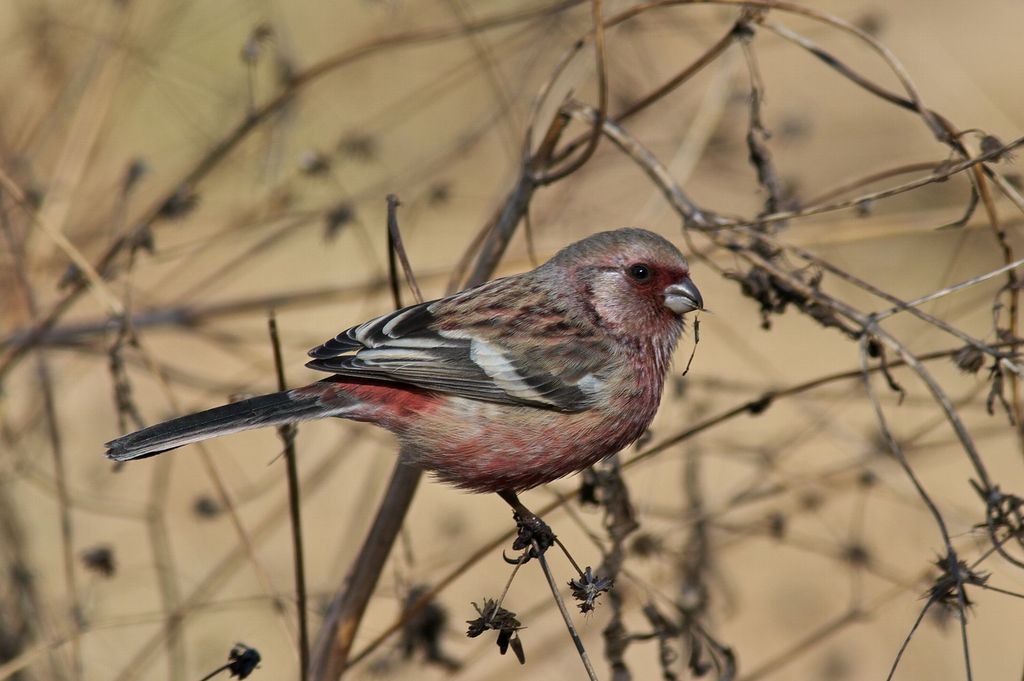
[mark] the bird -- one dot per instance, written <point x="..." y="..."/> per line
<point x="501" y="387"/>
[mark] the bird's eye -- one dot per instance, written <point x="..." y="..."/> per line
<point x="640" y="271"/>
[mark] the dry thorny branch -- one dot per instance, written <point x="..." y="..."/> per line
<point x="757" y="253"/>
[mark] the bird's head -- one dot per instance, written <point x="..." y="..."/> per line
<point x="635" y="282"/>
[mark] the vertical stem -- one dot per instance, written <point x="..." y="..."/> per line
<point x="287" y="433"/>
<point x="565" y="614"/>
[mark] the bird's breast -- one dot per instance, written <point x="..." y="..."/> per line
<point x="486" y="447"/>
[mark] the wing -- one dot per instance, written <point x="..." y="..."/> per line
<point x="504" y="342"/>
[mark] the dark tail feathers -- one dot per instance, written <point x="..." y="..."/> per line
<point x="266" y="410"/>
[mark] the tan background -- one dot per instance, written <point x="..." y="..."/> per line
<point x="87" y="87"/>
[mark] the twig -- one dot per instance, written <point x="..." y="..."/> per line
<point x="950" y="135"/>
<point x="565" y="613"/>
<point x="899" y="305"/>
<point x="619" y="522"/>
<point x="935" y="176"/>
<point x="685" y="208"/>
<point x="690" y="212"/>
<point x="287" y="434"/>
<point x="412" y="609"/>
<point x="757" y="136"/>
<point x="504" y="223"/>
<point x="712" y="53"/>
<point x="1012" y="291"/>
<point x="912" y="103"/>
<point x="871" y="178"/>
<point x="910" y="635"/>
<point x="508" y="584"/>
<point x="498" y="232"/>
<point x="602" y="99"/>
<point x="869" y="327"/>
<point x="946" y="290"/>
<point x="397" y="249"/>
<point x="163" y="558"/>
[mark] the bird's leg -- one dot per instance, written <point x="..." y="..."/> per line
<point x="531" y="527"/>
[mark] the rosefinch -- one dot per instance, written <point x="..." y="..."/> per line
<point x="501" y="387"/>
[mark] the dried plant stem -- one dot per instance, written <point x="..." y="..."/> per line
<point x="686" y="209"/>
<point x="946" y="290"/>
<point x="655" y="95"/>
<point x="602" y="98"/>
<point x="871" y="178"/>
<point x="508" y="583"/>
<point x="784" y="216"/>
<point x="216" y="671"/>
<point x="691" y="214"/>
<point x="854" y="615"/>
<point x="397" y="249"/>
<point x="287" y="434"/>
<point x="789" y="277"/>
<point x="906" y="641"/>
<point x="565" y="613"/>
<point x="910" y="307"/>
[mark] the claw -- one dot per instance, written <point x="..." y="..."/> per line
<point x="534" y="534"/>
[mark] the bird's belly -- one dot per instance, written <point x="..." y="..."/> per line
<point x="499" y="447"/>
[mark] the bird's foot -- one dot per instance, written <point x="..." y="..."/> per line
<point x="533" y="535"/>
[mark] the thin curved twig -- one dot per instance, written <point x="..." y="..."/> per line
<point x="601" y="59"/>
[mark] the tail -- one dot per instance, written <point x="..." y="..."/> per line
<point x="266" y="410"/>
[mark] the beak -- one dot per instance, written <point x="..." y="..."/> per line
<point x="683" y="297"/>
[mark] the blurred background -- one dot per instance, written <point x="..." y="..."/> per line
<point x="191" y="166"/>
